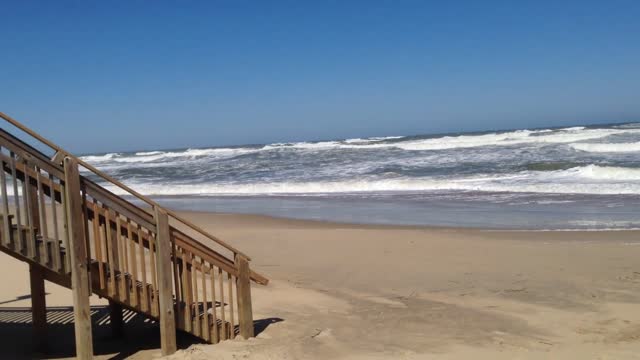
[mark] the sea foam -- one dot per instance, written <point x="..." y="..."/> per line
<point x="605" y="148"/>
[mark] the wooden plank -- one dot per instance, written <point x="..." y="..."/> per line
<point x="112" y="253"/>
<point x="32" y="177"/>
<point x="197" y="328"/>
<point x="206" y="328"/>
<point x="85" y="223"/>
<point x="38" y="307"/>
<point x="143" y="270"/>
<point x="105" y="177"/>
<point x="122" y="262"/>
<point x="57" y="263"/>
<point x="243" y="289"/>
<point x="204" y="252"/>
<point x="17" y="146"/>
<point x="133" y="212"/>
<point x="44" y="230"/>
<point x="223" y="324"/>
<point x="133" y="269"/>
<point x="232" y="332"/>
<point x="176" y="280"/>
<point x="58" y="157"/>
<point x="19" y="242"/>
<point x="27" y="198"/>
<point x="6" y="224"/>
<point x="116" y="203"/>
<point x="154" y="272"/>
<point x="201" y="231"/>
<point x="97" y="239"/>
<point x="34" y="217"/>
<point x="186" y="288"/>
<point x="65" y="234"/>
<point x="214" y="318"/>
<point x="167" y="315"/>
<point x="79" y="269"/>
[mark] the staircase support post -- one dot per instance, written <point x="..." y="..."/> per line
<point x="78" y="252"/>
<point x="38" y="307"/>
<point x="165" y="288"/>
<point x="243" y="289"/>
<point x="115" y="317"/>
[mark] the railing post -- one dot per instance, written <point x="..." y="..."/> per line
<point x="165" y="288"/>
<point x="243" y="290"/>
<point x="78" y="258"/>
<point x="38" y="307"/>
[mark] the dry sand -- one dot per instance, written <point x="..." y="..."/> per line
<point x="371" y="292"/>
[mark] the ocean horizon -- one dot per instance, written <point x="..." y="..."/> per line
<point x="570" y="178"/>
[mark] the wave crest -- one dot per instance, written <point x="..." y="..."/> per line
<point x="607" y="148"/>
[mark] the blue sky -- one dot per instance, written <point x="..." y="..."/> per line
<point x="105" y="76"/>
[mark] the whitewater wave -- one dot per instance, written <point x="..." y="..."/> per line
<point x="607" y="148"/>
<point x="99" y="158"/>
<point x="561" y="136"/>
<point x="157" y="156"/>
<point x="148" y="153"/>
<point x="546" y="136"/>
<point x="590" y="179"/>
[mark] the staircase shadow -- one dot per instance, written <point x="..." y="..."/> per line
<point x="262" y="324"/>
<point x="140" y="333"/>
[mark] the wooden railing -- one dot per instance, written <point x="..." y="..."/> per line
<point x="149" y="261"/>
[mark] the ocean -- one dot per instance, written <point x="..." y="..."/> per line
<point x="584" y="177"/>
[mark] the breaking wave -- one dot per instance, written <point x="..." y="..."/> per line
<point x="607" y="148"/>
<point x="591" y="179"/>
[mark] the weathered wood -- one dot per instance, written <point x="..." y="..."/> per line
<point x="143" y="270"/>
<point x="215" y="336"/>
<point x="57" y="263"/>
<point x="85" y="223"/>
<point x="42" y="214"/>
<point x="36" y="174"/>
<point x="232" y="324"/>
<point x="30" y="204"/>
<point x="205" y="318"/>
<point x="223" y="323"/>
<point x="153" y="248"/>
<point x="112" y="254"/>
<point x="196" y="303"/>
<point x="97" y="244"/>
<point x="133" y="269"/>
<point x="243" y="289"/>
<point x="18" y="242"/>
<point x="79" y="269"/>
<point x="35" y="219"/>
<point x="38" y="307"/>
<point x="17" y="146"/>
<point x="122" y="262"/>
<point x="186" y="288"/>
<point x="167" y="313"/>
<point x="65" y="234"/>
<point x="58" y="157"/>
<point x="115" y="315"/>
<point x="6" y="224"/>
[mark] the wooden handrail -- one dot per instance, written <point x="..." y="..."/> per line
<point x="109" y="246"/>
<point x="129" y="210"/>
<point x="108" y="178"/>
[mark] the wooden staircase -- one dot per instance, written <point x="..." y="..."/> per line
<point x="79" y="235"/>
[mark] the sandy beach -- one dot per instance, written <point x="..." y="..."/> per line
<point x="360" y="292"/>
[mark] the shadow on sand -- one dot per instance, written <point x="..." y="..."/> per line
<point x="140" y="333"/>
